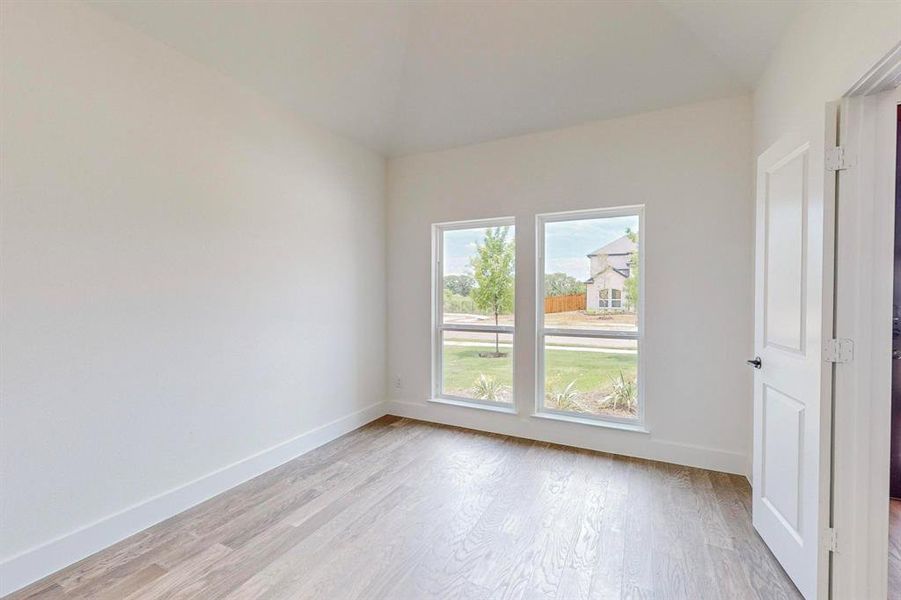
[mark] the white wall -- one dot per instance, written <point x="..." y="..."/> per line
<point x="191" y="276"/>
<point x="824" y="51"/>
<point x="690" y="166"/>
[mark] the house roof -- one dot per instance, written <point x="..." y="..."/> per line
<point x="623" y="245"/>
<point x="624" y="273"/>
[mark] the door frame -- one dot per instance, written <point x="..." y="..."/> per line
<point x="863" y="313"/>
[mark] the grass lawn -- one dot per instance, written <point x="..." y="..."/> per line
<point x="463" y="365"/>
<point x="592" y="371"/>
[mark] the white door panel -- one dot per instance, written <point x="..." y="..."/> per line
<point x="783" y="427"/>
<point x="785" y="235"/>
<point x="791" y="392"/>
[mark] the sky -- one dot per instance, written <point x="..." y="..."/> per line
<point x="566" y="244"/>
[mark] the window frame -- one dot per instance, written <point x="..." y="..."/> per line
<point x="540" y="410"/>
<point x="439" y="326"/>
<point x="612" y="297"/>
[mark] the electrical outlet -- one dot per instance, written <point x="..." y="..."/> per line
<point x="398" y="384"/>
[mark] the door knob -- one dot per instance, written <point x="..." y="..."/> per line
<point x="756" y="363"/>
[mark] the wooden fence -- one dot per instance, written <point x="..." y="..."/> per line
<point x="555" y="304"/>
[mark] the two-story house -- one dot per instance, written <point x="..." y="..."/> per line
<point x="609" y="272"/>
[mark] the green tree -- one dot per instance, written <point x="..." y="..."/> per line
<point x="455" y="303"/>
<point x="631" y="284"/>
<point x="561" y="284"/>
<point x="460" y="285"/>
<point x="492" y="268"/>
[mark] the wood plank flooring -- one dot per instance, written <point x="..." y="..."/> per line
<point x="402" y="509"/>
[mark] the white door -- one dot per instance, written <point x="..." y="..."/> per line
<point x="793" y="319"/>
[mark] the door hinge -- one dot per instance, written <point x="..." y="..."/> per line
<point x="830" y="539"/>
<point x="837" y="159"/>
<point x="839" y="351"/>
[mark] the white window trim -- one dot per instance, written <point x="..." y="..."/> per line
<point x="438" y="325"/>
<point x="540" y="410"/>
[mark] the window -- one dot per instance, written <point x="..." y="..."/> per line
<point x="610" y="299"/>
<point x="473" y="299"/>
<point x="588" y="351"/>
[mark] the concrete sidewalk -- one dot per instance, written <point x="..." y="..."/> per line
<point x="547" y="347"/>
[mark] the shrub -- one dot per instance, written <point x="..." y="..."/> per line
<point x="566" y="399"/>
<point x="487" y="388"/>
<point x="625" y="393"/>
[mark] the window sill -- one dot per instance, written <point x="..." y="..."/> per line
<point x="508" y="410"/>
<point x="633" y="427"/>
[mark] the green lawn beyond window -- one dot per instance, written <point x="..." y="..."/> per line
<point x="593" y="374"/>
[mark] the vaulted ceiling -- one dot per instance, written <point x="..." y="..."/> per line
<point x="404" y="77"/>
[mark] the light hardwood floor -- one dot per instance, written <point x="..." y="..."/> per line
<point x="403" y="510"/>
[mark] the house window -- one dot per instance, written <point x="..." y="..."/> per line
<point x="588" y="357"/>
<point x="610" y="298"/>
<point x="473" y="300"/>
<point x="616" y="298"/>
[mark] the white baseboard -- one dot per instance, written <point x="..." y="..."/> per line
<point x="577" y="435"/>
<point x="29" y="566"/>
